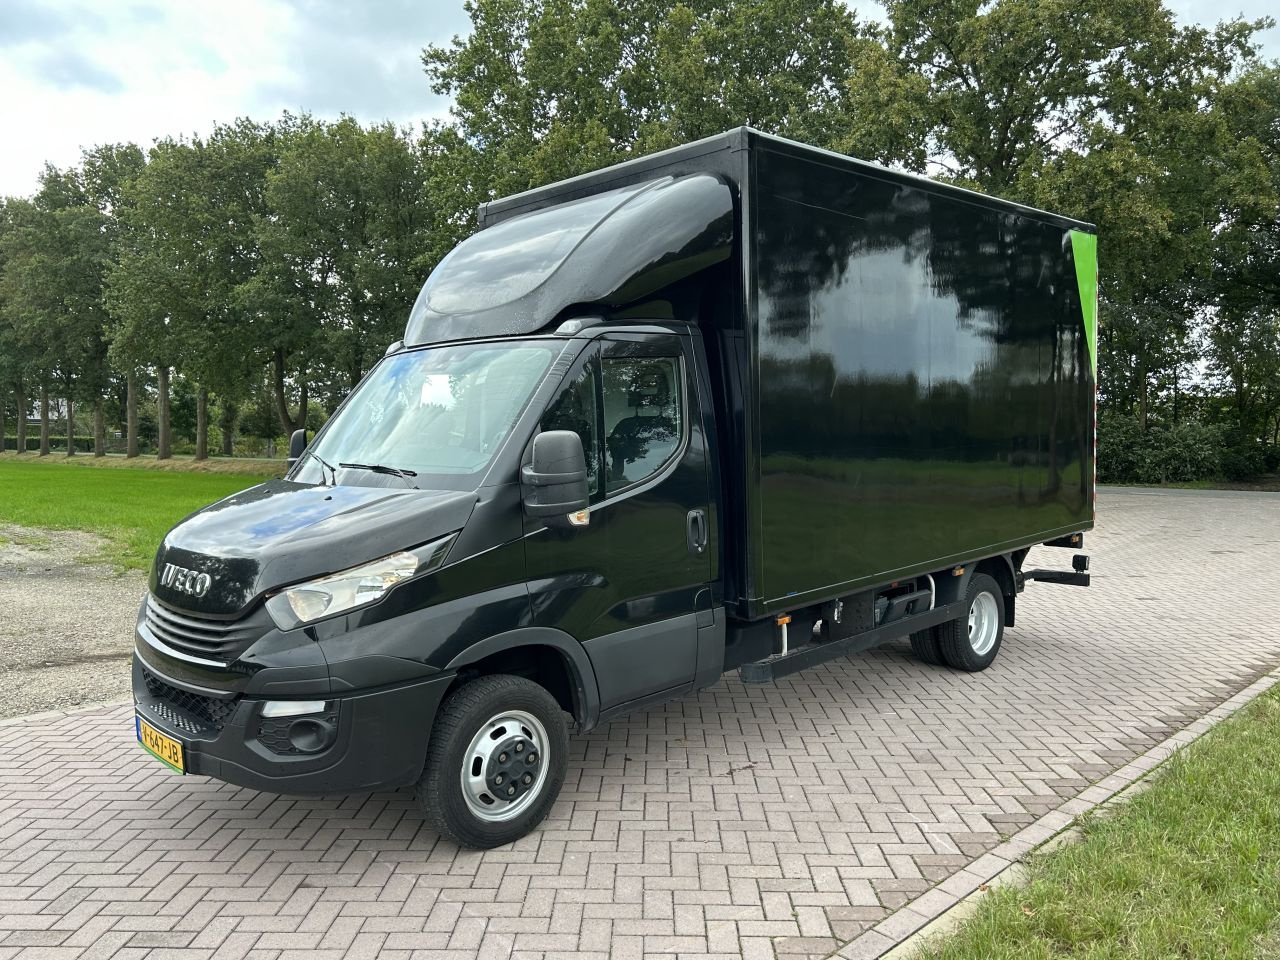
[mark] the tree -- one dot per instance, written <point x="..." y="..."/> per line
<point x="12" y="362"/>
<point x="347" y="214"/>
<point x="544" y="89"/>
<point x="189" y="243"/>
<point x="1243" y="336"/>
<point x="107" y="171"/>
<point x="145" y="287"/>
<point x="225" y="208"/>
<point x="55" y="259"/>
<point x="1087" y="109"/>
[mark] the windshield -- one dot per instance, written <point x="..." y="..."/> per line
<point x="444" y="411"/>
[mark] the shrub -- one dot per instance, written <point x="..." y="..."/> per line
<point x="1243" y="458"/>
<point x="1161" y="454"/>
<point x="57" y="441"/>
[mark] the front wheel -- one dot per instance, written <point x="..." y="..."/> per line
<point x="496" y="761"/>
<point x="972" y="642"/>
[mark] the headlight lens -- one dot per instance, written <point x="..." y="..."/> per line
<point x="340" y="592"/>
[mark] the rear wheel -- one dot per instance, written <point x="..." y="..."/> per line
<point x="496" y="761"/>
<point x="973" y="641"/>
<point x="925" y="646"/>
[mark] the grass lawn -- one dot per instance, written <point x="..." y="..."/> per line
<point x="1188" y="869"/>
<point x="248" y="466"/>
<point x="132" y="507"/>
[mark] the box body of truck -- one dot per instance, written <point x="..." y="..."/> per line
<point x="741" y="404"/>
<point x="905" y="370"/>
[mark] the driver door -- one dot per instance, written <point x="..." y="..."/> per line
<point x="630" y="584"/>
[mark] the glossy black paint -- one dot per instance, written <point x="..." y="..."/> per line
<point x="631" y="568"/>
<point x="554" y="484"/>
<point x="898" y="368"/>
<point x="924" y="384"/>
<point x="281" y="532"/>
<point x="432" y="620"/>
<point x="607" y="250"/>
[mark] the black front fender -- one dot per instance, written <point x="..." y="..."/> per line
<point x="586" y="692"/>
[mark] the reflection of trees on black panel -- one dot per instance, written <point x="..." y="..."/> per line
<point x="967" y="280"/>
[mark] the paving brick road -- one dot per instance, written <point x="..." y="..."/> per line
<point x="749" y="821"/>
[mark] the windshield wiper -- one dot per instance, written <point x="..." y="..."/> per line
<point x="381" y="468"/>
<point x="333" y="474"/>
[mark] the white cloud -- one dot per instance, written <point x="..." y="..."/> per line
<point x="77" y="72"/>
<point x="74" y="73"/>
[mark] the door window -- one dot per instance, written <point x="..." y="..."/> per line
<point x="576" y="409"/>
<point x="643" y="417"/>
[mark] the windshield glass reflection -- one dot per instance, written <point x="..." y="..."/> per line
<point x="431" y="417"/>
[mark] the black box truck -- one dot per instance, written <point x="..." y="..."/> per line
<point x="743" y="404"/>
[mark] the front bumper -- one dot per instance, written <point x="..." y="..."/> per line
<point x="372" y="741"/>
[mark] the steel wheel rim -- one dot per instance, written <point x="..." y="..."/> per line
<point x="984" y="623"/>
<point x="492" y="749"/>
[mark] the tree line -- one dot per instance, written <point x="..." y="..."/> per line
<point x="241" y="283"/>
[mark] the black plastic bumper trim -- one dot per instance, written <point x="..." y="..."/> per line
<point x="381" y="742"/>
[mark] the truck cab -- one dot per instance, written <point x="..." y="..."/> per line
<point x="539" y="510"/>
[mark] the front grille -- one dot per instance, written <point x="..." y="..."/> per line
<point x="174" y="718"/>
<point x="201" y="636"/>
<point x="209" y="711"/>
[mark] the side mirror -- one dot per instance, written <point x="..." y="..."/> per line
<point x="393" y="348"/>
<point x="554" y="483"/>
<point x="297" y="447"/>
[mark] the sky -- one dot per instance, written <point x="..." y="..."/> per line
<point x="74" y="73"/>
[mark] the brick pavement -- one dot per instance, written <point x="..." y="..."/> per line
<point x="769" y="822"/>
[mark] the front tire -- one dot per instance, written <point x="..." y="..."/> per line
<point x="496" y="761"/>
<point x="973" y="641"/>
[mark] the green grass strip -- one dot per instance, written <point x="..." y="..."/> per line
<point x="1188" y="869"/>
<point x="131" y="508"/>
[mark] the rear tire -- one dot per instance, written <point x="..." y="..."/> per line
<point x="972" y="642"/>
<point x="925" y="647"/>
<point x="496" y="761"/>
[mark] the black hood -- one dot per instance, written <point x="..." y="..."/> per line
<point x="282" y="532"/>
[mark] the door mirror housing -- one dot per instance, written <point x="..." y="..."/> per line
<point x="554" y="484"/>
<point x="297" y="446"/>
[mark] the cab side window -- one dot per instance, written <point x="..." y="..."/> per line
<point x="576" y="409"/>
<point x="643" y="417"/>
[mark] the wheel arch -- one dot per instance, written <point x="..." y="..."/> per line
<point x="1001" y="569"/>
<point x="550" y="657"/>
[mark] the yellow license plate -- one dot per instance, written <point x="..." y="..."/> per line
<point x="163" y="747"/>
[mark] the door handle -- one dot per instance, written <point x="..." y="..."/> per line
<point x="696" y="531"/>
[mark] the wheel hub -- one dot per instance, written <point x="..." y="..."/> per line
<point x="984" y="623"/>
<point x="512" y="768"/>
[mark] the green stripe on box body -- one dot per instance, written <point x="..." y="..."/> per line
<point x="1084" y="248"/>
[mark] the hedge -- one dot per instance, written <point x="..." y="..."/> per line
<point x="1178" y="453"/>
<point x="56" y="442"/>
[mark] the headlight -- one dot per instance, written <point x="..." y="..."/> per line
<point x="354" y="588"/>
